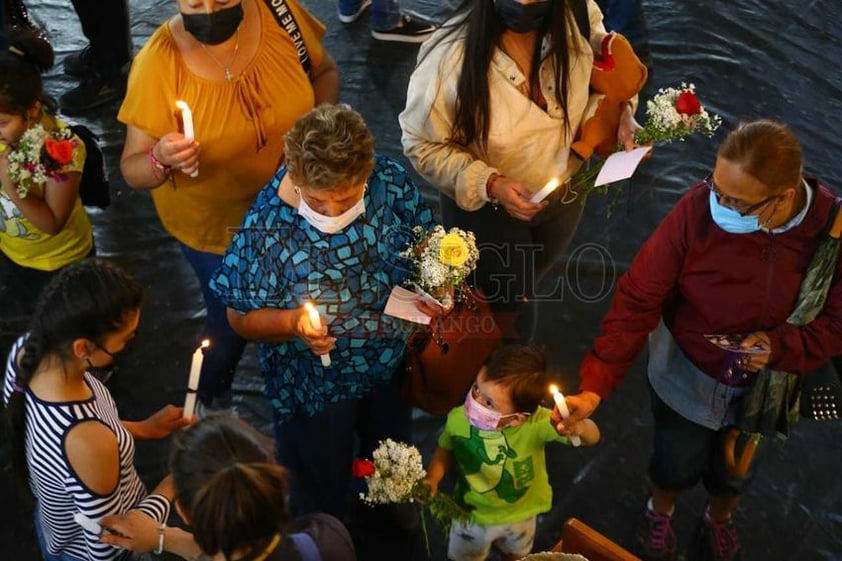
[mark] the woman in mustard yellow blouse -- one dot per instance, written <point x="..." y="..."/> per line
<point x="246" y="79"/>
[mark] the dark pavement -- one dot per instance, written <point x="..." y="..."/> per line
<point x="747" y="58"/>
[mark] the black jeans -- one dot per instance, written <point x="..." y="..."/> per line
<point x="106" y="25"/>
<point x="515" y="255"/>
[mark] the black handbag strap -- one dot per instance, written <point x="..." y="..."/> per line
<point x="831" y="218"/>
<point x="285" y="18"/>
<point x="580" y="14"/>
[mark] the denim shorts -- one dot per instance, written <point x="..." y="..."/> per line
<point x="685" y="453"/>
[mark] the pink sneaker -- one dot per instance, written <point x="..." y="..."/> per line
<point x="718" y="541"/>
<point x="656" y="537"/>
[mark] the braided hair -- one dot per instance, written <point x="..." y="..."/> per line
<point x="91" y="300"/>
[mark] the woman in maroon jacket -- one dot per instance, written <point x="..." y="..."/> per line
<point x="730" y="258"/>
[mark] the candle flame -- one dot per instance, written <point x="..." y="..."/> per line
<point x="205" y="343"/>
<point x="310" y="307"/>
<point x="553" y="389"/>
<point x="182" y="105"/>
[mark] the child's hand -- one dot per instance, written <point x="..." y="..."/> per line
<point x="432" y="485"/>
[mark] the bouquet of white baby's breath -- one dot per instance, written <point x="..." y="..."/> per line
<point x="38" y="156"/>
<point x="442" y="260"/>
<point x="396" y="475"/>
<point x="673" y="114"/>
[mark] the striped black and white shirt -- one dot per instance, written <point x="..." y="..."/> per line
<point x="58" y="491"/>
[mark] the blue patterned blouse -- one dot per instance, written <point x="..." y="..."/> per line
<point x="278" y="260"/>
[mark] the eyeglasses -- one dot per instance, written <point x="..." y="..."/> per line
<point x="738" y="206"/>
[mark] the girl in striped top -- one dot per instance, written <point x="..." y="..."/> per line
<point x="69" y="444"/>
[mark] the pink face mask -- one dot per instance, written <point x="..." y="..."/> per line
<point x="481" y="416"/>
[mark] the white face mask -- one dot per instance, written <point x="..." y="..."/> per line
<point x="330" y="224"/>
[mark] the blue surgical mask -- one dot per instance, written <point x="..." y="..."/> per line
<point x="731" y="221"/>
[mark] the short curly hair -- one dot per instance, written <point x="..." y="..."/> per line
<point x="329" y="148"/>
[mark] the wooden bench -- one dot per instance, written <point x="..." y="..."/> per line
<point x="578" y="537"/>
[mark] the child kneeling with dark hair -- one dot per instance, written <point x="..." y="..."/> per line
<point x="497" y="440"/>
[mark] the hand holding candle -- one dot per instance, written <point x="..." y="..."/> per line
<point x="316" y="322"/>
<point x="187" y="119"/>
<point x="193" y="380"/>
<point x="545" y="191"/>
<point x="561" y="405"/>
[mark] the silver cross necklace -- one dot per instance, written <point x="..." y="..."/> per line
<point x="226" y="68"/>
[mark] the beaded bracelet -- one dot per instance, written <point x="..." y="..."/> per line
<point x="160" y="548"/>
<point x="159" y="168"/>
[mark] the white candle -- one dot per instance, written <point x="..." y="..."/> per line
<point x="193" y="379"/>
<point x="561" y="405"/>
<point x="187" y="119"/>
<point x="316" y="322"/>
<point x="551" y="186"/>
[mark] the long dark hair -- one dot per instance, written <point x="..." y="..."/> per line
<point x="89" y="300"/>
<point x="24" y="56"/>
<point x="484" y="30"/>
<point x="228" y="485"/>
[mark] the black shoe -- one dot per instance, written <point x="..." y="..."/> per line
<point x="93" y="92"/>
<point x="79" y="64"/>
<point x="408" y="30"/>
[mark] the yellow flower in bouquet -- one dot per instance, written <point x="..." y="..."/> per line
<point x="453" y="251"/>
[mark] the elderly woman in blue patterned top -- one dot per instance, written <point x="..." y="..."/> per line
<point x="328" y="228"/>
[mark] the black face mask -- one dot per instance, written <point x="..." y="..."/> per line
<point x="522" y="18"/>
<point x="216" y="27"/>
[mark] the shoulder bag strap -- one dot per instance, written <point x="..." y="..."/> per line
<point x="283" y="15"/>
<point x="306" y="546"/>
<point x="832" y="217"/>
<point x="580" y="14"/>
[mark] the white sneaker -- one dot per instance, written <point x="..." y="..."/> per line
<point x="351" y="18"/>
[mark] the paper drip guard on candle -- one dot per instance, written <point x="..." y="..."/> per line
<point x="545" y="191"/>
<point x="187" y="119"/>
<point x="316" y="322"/>
<point x="193" y="380"/>
<point x="563" y="411"/>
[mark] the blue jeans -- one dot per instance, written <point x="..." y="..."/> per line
<point x="318" y="450"/>
<point x="385" y="14"/>
<point x="226" y="346"/>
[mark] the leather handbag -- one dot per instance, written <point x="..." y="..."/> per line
<point x="442" y="360"/>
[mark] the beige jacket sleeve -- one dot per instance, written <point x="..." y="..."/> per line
<point x="427" y="122"/>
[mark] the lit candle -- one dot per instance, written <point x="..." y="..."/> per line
<point x="187" y="119"/>
<point x="561" y="405"/>
<point x="316" y="322"/>
<point x="193" y="379"/>
<point x="551" y="186"/>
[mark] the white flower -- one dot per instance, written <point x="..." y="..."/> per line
<point x="398" y="469"/>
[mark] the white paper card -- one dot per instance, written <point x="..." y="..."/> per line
<point x="401" y="304"/>
<point x="620" y="165"/>
<point x="88" y="524"/>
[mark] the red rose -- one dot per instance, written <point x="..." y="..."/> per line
<point x="60" y="151"/>
<point x="362" y="468"/>
<point x="688" y="104"/>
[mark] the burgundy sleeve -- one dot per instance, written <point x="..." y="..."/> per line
<point x="638" y="303"/>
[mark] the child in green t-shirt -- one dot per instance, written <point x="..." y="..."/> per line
<point x="497" y="440"/>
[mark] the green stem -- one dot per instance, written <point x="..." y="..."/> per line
<point x="424" y="529"/>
